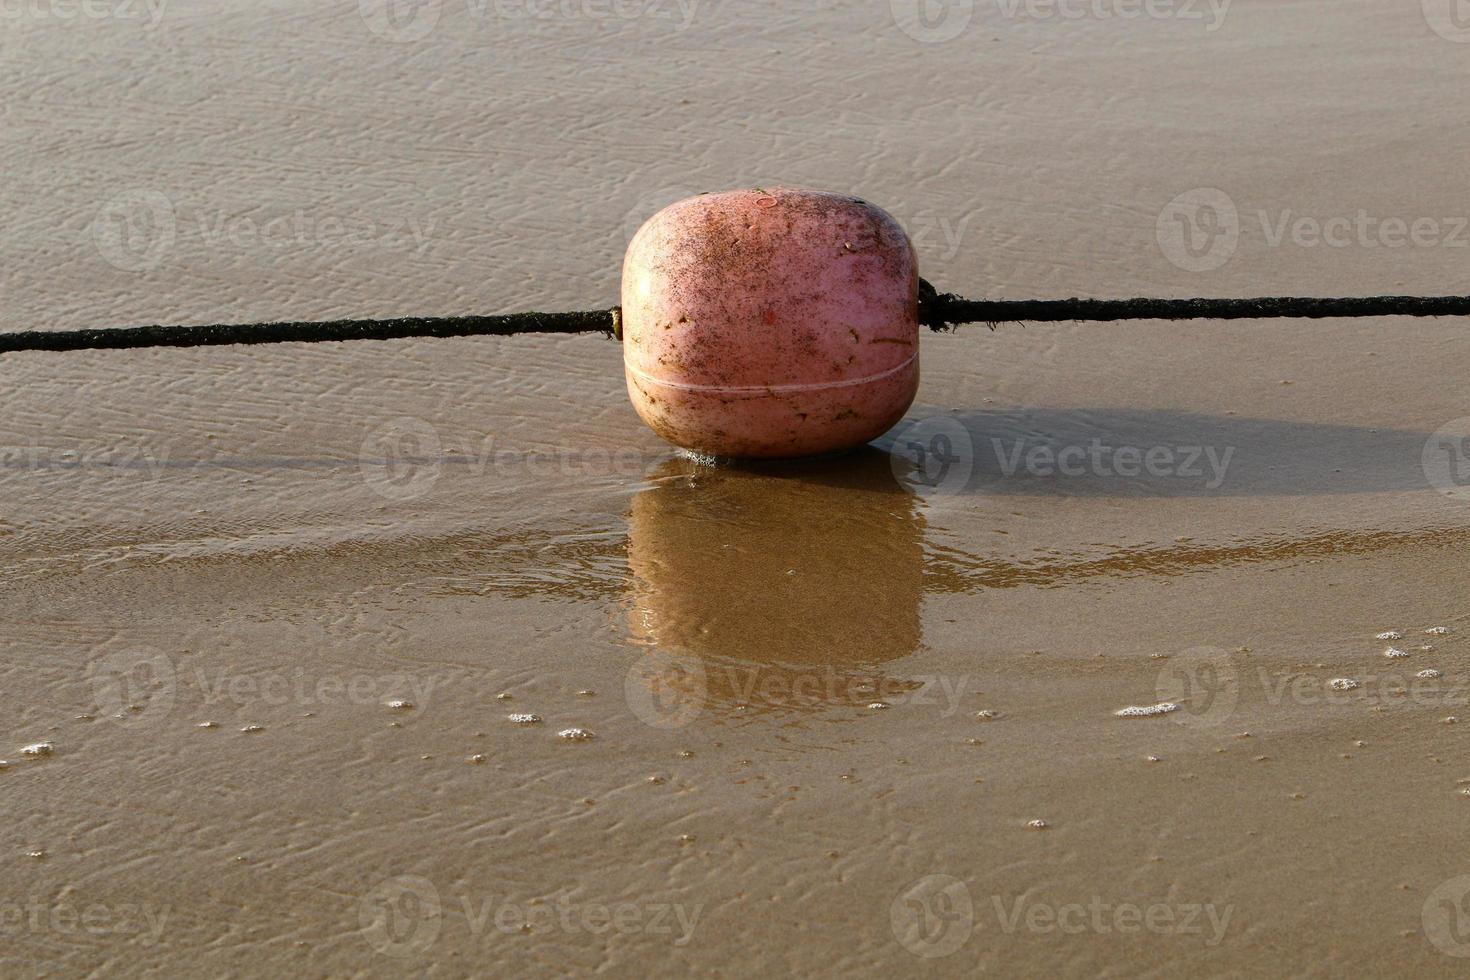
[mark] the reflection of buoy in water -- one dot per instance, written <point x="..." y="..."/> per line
<point x="766" y="324"/>
<point x="774" y="587"/>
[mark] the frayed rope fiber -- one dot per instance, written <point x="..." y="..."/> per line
<point x="938" y="311"/>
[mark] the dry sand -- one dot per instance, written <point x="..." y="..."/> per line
<point x="291" y="538"/>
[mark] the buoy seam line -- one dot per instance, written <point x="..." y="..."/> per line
<point x="725" y="390"/>
<point x="936" y="311"/>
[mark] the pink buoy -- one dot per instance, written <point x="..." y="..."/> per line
<point x="767" y="324"/>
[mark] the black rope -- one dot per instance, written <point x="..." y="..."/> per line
<point x="588" y="321"/>
<point x="943" y="311"/>
<point x="938" y="311"/>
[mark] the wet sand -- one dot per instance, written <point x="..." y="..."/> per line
<point x="272" y="608"/>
